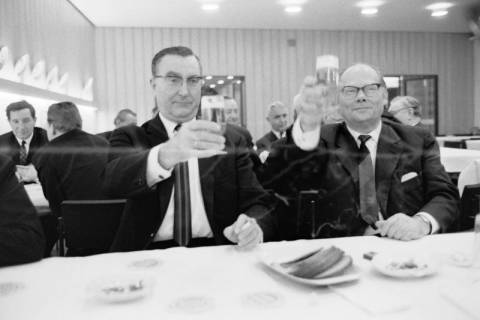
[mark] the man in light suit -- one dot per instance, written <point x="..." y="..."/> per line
<point x="24" y="135"/>
<point x="227" y="203"/>
<point x="412" y="194"/>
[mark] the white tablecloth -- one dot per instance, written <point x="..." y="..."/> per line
<point x="473" y="144"/>
<point x="455" y="160"/>
<point x="56" y="288"/>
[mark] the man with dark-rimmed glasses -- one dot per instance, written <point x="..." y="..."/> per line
<point x="183" y="188"/>
<point x="373" y="177"/>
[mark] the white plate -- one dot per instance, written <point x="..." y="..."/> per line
<point x="121" y="288"/>
<point x="351" y="274"/>
<point x="404" y="265"/>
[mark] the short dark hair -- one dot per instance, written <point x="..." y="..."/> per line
<point x="176" y="51"/>
<point x="122" y="114"/>
<point x="64" y="116"/>
<point x="20" y="105"/>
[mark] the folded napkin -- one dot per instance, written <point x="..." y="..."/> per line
<point x="373" y="300"/>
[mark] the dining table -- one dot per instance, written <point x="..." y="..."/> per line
<point x="455" y="159"/>
<point x="225" y="282"/>
<point x="35" y="193"/>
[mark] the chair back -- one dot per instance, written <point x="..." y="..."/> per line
<point x="89" y="226"/>
<point x="460" y="144"/>
<point x="469" y="207"/>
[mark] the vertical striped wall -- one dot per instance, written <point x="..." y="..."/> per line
<point x="274" y="71"/>
<point x="476" y="54"/>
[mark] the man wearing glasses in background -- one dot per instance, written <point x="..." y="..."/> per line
<point x="373" y="177"/>
<point x="187" y="184"/>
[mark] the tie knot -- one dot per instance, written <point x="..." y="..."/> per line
<point x="177" y="127"/>
<point x="24" y="143"/>
<point x="363" y="138"/>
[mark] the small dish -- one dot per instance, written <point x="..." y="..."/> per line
<point x="117" y="289"/>
<point x="404" y="266"/>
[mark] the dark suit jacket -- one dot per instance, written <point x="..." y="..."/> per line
<point x="70" y="167"/>
<point x="21" y="236"/>
<point x="229" y="186"/>
<point x="332" y="169"/>
<point x="106" y="135"/>
<point x="265" y="142"/>
<point x="9" y="145"/>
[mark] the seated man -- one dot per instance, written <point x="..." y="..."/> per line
<point x="182" y="187"/>
<point x="22" y="142"/>
<point x="407" y="110"/>
<point x="21" y="236"/>
<point x="277" y="117"/>
<point x="372" y="176"/>
<point x="125" y="117"/>
<point x="71" y="165"/>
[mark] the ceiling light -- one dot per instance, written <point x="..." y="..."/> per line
<point x="293" y="9"/>
<point x="212" y="86"/>
<point x="230" y="77"/>
<point x="369" y="3"/>
<point x="369" y="11"/>
<point x="210" y="7"/>
<point x="239" y="81"/>
<point x="208" y="77"/>
<point x="439" y="6"/>
<point x="220" y="81"/>
<point x="439" y="13"/>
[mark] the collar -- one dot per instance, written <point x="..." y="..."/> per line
<point x="170" y="125"/>
<point x="374" y="134"/>
<point x="28" y="140"/>
<point x="277" y="134"/>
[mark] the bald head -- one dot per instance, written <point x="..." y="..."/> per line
<point x="277" y="116"/>
<point x="361" y="97"/>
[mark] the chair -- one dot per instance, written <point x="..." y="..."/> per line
<point x="469" y="207"/>
<point x="88" y="226"/>
<point x="460" y="144"/>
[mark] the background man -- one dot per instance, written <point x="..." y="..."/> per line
<point x="125" y="117"/>
<point x="407" y="110"/>
<point x="71" y="165"/>
<point x="370" y="174"/>
<point x="277" y="116"/>
<point x="213" y="196"/>
<point x="21" y="143"/>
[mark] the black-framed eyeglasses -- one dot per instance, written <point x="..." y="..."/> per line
<point x="370" y="90"/>
<point x="177" y="81"/>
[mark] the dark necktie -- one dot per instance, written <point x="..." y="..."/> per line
<point x="182" y="212"/>
<point x="368" y="196"/>
<point x="23" y="153"/>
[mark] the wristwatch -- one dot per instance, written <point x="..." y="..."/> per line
<point x="425" y="219"/>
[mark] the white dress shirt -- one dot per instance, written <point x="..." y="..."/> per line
<point x="309" y="141"/>
<point x="155" y="173"/>
<point x="27" y="142"/>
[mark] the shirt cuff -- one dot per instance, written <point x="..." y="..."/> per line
<point x="435" y="227"/>
<point x="155" y="172"/>
<point x="305" y="140"/>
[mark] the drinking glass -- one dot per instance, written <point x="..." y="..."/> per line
<point x="212" y="108"/>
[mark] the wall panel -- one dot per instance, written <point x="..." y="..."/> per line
<point x="274" y="71"/>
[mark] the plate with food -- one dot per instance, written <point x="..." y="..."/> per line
<point x="405" y="265"/>
<point x="121" y="288"/>
<point x="321" y="267"/>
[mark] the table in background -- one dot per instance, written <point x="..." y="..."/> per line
<point x="35" y="193"/>
<point x="455" y="160"/>
<point x="57" y="288"/>
<point x="442" y="139"/>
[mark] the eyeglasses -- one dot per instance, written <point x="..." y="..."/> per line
<point x="370" y="90"/>
<point x="176" y="81"/>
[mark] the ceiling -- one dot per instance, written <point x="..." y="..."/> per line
<point x="393" y="15"/>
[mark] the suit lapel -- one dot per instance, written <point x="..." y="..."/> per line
<point x="346" y="151"/>
<point x="389" y="151"/>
